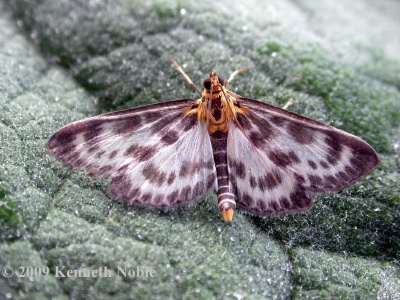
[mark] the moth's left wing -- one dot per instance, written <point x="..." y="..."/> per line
<point x="157" y="155"/>
<point x="278" y="159"/>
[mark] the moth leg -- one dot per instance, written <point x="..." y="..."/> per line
<point x="179" y="68"/>
<point x="237" y="72"/>
<point x="288" y="103"/>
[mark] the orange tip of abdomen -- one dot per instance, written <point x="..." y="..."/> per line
<point x="227" y="215"/>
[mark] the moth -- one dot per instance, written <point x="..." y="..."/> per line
<point x="260" y="158"/>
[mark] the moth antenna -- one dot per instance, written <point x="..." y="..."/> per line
<point x="237" y="72"/>
<point x="179" y="68"/>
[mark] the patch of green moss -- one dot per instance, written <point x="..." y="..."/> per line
<point x="356" y="103"/>
<point x="9" y="216"/>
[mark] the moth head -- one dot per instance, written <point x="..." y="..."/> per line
<point x="213" y="81"/>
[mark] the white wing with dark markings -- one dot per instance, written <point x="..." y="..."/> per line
<point x="278" y="159"/>
<point x="157" y="155"/>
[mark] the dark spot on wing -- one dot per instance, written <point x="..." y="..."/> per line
<point x="264" y="127"/>
<point x="104" y="169"/>
<point x="261" y="205"/>
<point x="359" y="162"/>
<point x="170" y="137"/>
<point x="150" y="172"/>
<point x="100" y="154"/>
<point x="245" y="201"/>
<point x="146" y="198"/>
<point x="209" y="164"/>
<point x="199" y="189"/>
<point x="134" y="193"/>
<point x="62" y="137"/>
<point x="172" y="196"/>
<point x="184" y="169"/>
<point x="65" y="151"/>
<point x="343" y="177"/>
<point x="334" y="151"/>
<point x="333" y="157"/>
<point x="243" y="121"/>
<point x="128" y="125"/>
<point x="354" y="173"/>
<point x="210" y="180"/>
<point x="113" y="154"/>
<point x="92" y="169"/>
<point x="300" y="133"/>
<point x="312" y="164"/>
<point x="285" y="203"/>
<point x="171" y="178"/>
<point x="257" y="139"/>
<point x="300" y="199"/>
<point x="186" y="193"/>
<point x="189" y="121"/>
<point x="300" y="178"/>
<point x="275" y="206"/>
<point x="145" y="153"/>
<point x="281" y="159"/>
<point x="151" y="115"/>
<point x="269" y="181"/>
<point x="131" y="150"/>
<point x="278" y="121"/>
<point x="123" y="169"/>
<point x="333" y="142"/>
<point x="164" y="122"/>
<point x="253" y="182"/>
<point x="293" y="157"/>
<point x="324" y="164"/>
<point x="315" y="181"/>
<point x="78" y="163"/>
<point x="161" y="178"/>
<point x="120" y="187"/>
<point x="93" y="148"/>
<point x="240" y="170"/>
<point x="330" y="182"/>
<point x="91" y="129"/>
<point x="157" y="200"/>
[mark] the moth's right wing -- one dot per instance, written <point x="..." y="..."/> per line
<point x="279" y="159"/>
<point x="157" y="155"/>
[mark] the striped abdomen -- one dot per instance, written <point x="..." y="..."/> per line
<point x="226" y="198"/>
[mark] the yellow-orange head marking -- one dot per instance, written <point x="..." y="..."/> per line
<point x="216" y="106"/>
